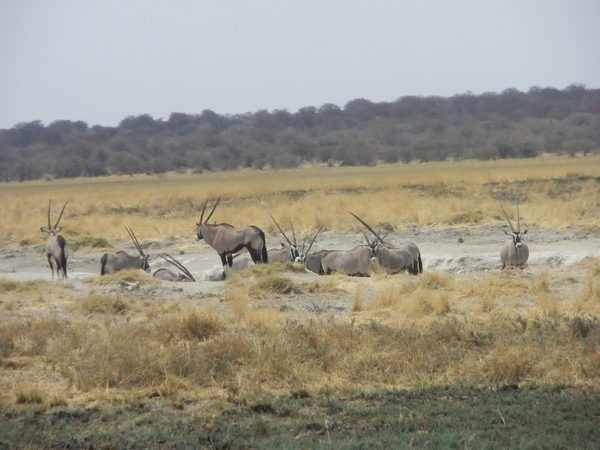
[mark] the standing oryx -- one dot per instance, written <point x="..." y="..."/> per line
<point x="228" y="240"/>
<point x="56" y="247"/>
<point x="113" y="262"/>
<point x="168" y="275"/>
<point x="395" y="258"/>
<point x="286" y="253"/>
<point x="514" y="252"/>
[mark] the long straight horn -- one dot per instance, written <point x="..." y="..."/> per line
<point x="61" y="213"/>
<point x="313" y="240"/>
<point x="202" y="213"/>
<point x="177" y="264"/>
<point x="518" y="219"/>
<point x="213" y="210"/>
<point x="293" y="232"/>
<point x="506" y="215"/>
<point x="286" y="238"/>
<point x="368" y="227"/>
<point x="49" y="205"/>
<point x="135" y="241"/>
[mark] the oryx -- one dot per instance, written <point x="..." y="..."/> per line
<point x="228" y="240"/>
<point x="285" y="253"/>
<point x="113" y="262"/>
<point x="394" y="258"/>
<point x="514" y="252"/>
<point x="168" y="275"/>
<point x="355" y="262"/>
<point x="304" y="256"/>
<point x="57" y="246"/>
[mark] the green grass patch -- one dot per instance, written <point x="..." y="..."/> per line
<point x="432" y="417"/>
<point x="89" y="241"/>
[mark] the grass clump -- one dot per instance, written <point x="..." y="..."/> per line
<point x="100" y="303"/>
<point x="129" y="275"/>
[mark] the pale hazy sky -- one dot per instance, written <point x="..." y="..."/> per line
<point x="101" y="61"/>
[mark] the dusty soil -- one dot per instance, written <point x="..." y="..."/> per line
<point x="465" y="252"/>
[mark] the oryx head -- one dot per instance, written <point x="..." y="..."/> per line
<point x="294" y="253"/>
<point x="53" y="230"/>
<point x="516" y="234"/>
<point x="302" y="256"/>
<point x="376" y="243"/>
<point x="145" y="266"/>
<point x="200" y="224"/>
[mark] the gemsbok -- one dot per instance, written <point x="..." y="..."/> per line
<point x="168" y="275"/>
<point x="57" y="247"/>
<point x="514" y="252"/>
<point x="394" y="258"/>
<point x="228" y="240"/>
<point x="355" y="262"/>
<point x="285" y="253"/>
<point x="113" y="262"/>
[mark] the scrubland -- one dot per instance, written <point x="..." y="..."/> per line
<point x="484" y="359"/>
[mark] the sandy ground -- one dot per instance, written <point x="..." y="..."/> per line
<point x="459" y="251"/>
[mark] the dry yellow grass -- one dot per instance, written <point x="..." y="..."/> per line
<point x="489" y="328"/>
<point x="555" y="191"/>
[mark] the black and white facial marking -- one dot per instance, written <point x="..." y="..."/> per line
<point x="516" y="237"/>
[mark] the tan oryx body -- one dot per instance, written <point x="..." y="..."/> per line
<point x="228" y="240"/>
<point x="57" y="247"/>
<point x="514" y="252"/>
<point x="113" y="262"/>
<point x="168" y="275"/>
<point x="355" y="262"/>
<point x="394" y="257"/>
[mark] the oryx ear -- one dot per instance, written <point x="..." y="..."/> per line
<point x="524" y="232"/>
<point x="506" y="232"/>
<point x="45" y="230"/>
<point x="58" y="229"/>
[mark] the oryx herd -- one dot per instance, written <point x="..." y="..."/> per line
<point x="229" y="241"/>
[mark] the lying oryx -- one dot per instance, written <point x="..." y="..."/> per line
<point x="57" y="247"/>
<point x="393" y="258"/>
<point x="113" y="262"/>
<point x="285" y="253"/>
<point x="168" y="275"/>
<point x="514" y="252"/>
<point x="228" y="240"/>
<point x="355" y="262"/>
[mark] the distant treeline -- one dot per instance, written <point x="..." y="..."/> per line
<point x="511" y="124"/>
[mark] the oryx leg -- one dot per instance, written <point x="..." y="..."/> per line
<point x="51" y="266"/>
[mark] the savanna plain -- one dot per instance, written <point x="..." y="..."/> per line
<point x="465" y="355"/>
